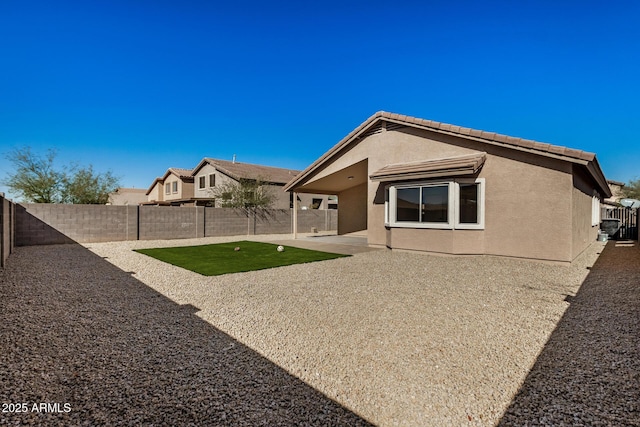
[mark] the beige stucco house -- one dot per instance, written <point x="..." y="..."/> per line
<point x="211" y="173"/>
<point x="128" y="196"/>
<point x="421" y="185"/>
<point x="174" y="188"/>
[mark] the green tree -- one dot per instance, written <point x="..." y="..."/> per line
<point x="34" y="179"/>
<point x="247" y="194"/>
<point x="632" y="189"/>
<point x="84" y="186"/>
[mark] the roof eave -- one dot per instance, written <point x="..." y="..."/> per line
<point x="533" y="147"/>
<point x="596" y="172"/>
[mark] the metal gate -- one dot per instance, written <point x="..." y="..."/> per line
<point x="628" y="222"/>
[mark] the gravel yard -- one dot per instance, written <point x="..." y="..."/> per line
<point x="386" y="337"/>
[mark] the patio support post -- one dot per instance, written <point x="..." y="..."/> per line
<point x="295" y="215"/>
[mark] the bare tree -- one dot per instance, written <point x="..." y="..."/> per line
<point x="632" y="189"/>
<point x="36" y="180"/>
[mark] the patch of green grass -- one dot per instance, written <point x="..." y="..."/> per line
<point x="222" y="258"/>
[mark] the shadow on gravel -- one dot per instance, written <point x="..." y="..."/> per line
<point x="76" y="330"/>
<point x="589" y="371"/>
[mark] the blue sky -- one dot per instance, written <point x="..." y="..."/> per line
<point x="136" y="87"/>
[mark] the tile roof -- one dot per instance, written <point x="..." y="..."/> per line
<point x="450" y="166"/>
<point x="179" y="172"/>
<point x="491" y="137"/>
<point x="564" y="153"/>
<point x="238" y="170"/>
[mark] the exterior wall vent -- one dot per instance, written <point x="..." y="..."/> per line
<point x="374" y="130"/>
<point x="395" y="126"/>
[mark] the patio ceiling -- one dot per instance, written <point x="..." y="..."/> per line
<point x="351" y="176"/>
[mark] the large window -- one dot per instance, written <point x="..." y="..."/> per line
<point x="455" y="204"/>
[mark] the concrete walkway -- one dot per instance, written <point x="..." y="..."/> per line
<point x="347" y="245"/>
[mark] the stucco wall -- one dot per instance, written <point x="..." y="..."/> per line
<point x="206" y="192"/>
<point x="157" y="193"/>
<point x="583" y="232"/>
<point x="352" y="212"/>
<point x="185" y="189"/>
<point x="529" y="198"/>
<point x="528" y="206"/>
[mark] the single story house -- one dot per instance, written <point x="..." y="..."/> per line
<point x="211" y="173"/>
<point x="421" y="185"/>
<point x="128" y="196"/>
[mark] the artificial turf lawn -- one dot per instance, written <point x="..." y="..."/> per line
<point x="213" y="260"/>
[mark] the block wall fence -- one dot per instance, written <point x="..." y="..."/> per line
<point x="44" y="224"/>
<point x="7" y="229"/>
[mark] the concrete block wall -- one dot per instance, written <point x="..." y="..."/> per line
<point x="7" y="228"/>
<point x="45" y="224"/>
<point x="171" y="222"/>
<point x="273" y="221"/>
<point x="42" y="224"/>
<point x="323" y="220"/>
<point x="226" y="222"/>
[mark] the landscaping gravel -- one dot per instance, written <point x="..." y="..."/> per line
<point x="387" y="337"/>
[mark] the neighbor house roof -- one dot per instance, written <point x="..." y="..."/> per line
<point x="383" y="118"/>
<point x="179" y="172"/>
<point x="238" y="171"/>
<point x="153" y="184"/>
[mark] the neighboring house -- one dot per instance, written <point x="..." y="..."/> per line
<point x="128" y="196"/>
<point x="617" y="193"/>
<point x="211" y="173"/>
<point x="422" y="185"/>
<point x="174" y="188"/>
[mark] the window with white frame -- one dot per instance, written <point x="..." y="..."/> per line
<point x="595" y="209"/>
<point x="174" y="186"/>
<point x="454" y="204"/>
<point x="167" y="188"/>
